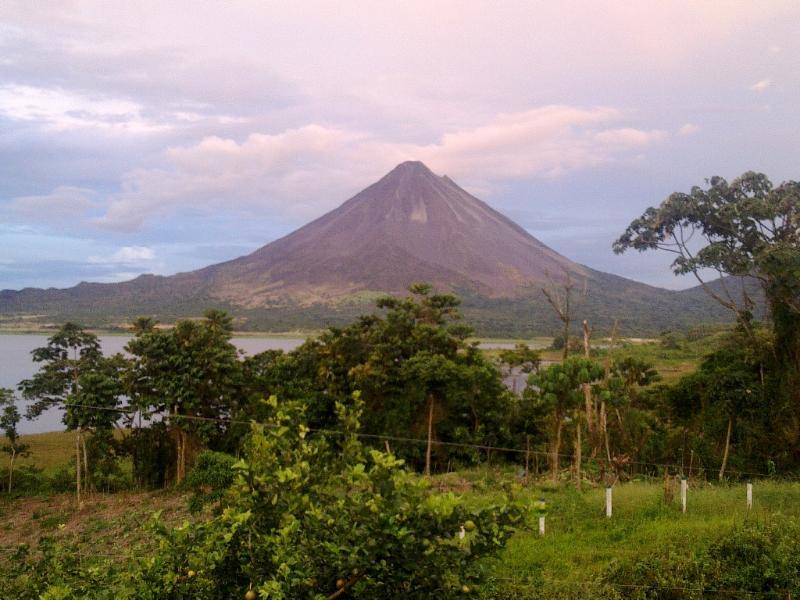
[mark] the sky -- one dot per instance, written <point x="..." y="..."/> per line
<point x="159" y="137"/>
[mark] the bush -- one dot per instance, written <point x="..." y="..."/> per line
<point x="306" y="517"/>
<point x="212" y="474"/>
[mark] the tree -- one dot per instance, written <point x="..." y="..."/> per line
<point x="9" y="419"/>
<point x="417" y="373"/>
<point x="190" y="375"/>
<point x="560" y="389"/>
<point x="746" y="229"/>
<point x="76" y="377"/>
<point x="560" y="297"/>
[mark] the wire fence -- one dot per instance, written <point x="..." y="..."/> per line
<point x="697" y="471"/>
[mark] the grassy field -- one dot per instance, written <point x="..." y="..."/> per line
<point x="48" y="451"/>
<point x="580" y="543"/>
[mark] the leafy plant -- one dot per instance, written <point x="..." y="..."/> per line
<point x="307" y="517"/>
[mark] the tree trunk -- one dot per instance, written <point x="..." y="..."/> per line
<point x="180" y="471"/>
<point x="578" y="451"/>
<point x="430" y="438"/>
<point x="527" y="456"/>
<point x="78" y="468"/>
<point x="86" y="479"/>
<point x="555" y="448"/>
<point x="566" y="335"/>
<point x="604" y="427"/>
<point x="11" y="469"/>
<point x="727" y="448"/>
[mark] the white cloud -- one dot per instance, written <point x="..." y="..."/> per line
<point x="127" y="255"/>
<point x="61" y="110"/>
<point x="760" y="86"/>
<point x="305" y="170"/>
<point x="688" y="129"/>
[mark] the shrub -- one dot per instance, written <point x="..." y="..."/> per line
<point x="306" y="517"/>
<point x="212" y="474"/>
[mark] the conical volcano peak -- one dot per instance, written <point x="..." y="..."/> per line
<point x="413" y="167"/>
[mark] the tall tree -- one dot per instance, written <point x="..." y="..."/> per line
<point x="189" y="375"/>
<point x="9" y="419"/>
<point x="74" y="375"/>
<point x="744" y="229"/>
<point x="560" y="389"/>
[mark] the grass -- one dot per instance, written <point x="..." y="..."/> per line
<point x="48" y="451"/>
<point x="108" y="525"/>
<point x="580" y="543"/>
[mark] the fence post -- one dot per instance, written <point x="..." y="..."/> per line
<point x="684" y="486"/>
<point x="749" y="495"/>
<point x="541" y="525"/>
<point x="608" y="502"/>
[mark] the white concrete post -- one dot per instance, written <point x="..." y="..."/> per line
<point x="541" y="526"/>
<point x="684" y="486"/>
<point x="749" y="495"/>
<point x="608" y="502"/>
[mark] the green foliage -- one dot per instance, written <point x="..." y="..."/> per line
<point x="559" y="385"/>
<point x="746" y="228"/>
<point x="750" y="558"/>
<point x="75" y="375"/>
<point x="305" y="518"/>
<point x="414" y="355"/>
<point x="152" y="451"/>
<point x="9" y="419"/>
<point x="211" y="476"/>
<point x="191" y="375"/>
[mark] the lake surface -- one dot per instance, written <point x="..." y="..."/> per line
<point x="16" y="364"/>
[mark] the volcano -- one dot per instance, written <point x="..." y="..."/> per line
<point x="410" y="226"/>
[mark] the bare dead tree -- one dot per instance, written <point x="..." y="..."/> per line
<point x="560" y="295"/>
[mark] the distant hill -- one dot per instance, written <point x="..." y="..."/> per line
<point x="410" y="226"/>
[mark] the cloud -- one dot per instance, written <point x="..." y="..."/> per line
<point x="61" y="110"/>
<point x="760" y="86"/>
<point x="305" y="170"/>
<point x="127" y="255"/>
<point x="688" y="129"/>
<point x="630" y="137"/>
<point x="65" y="204"/>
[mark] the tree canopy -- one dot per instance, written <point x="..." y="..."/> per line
<point x="748" y="228"/>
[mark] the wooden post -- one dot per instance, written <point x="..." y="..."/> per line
<point x="78" y="468"/>
<point x="578" y="446"/>
<point x="430" y="438"/>
<point x="541" y="526"/>
<point x="608" y="502"/>
<point x="684" y="486"/>
<point x="749" y="496"/>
